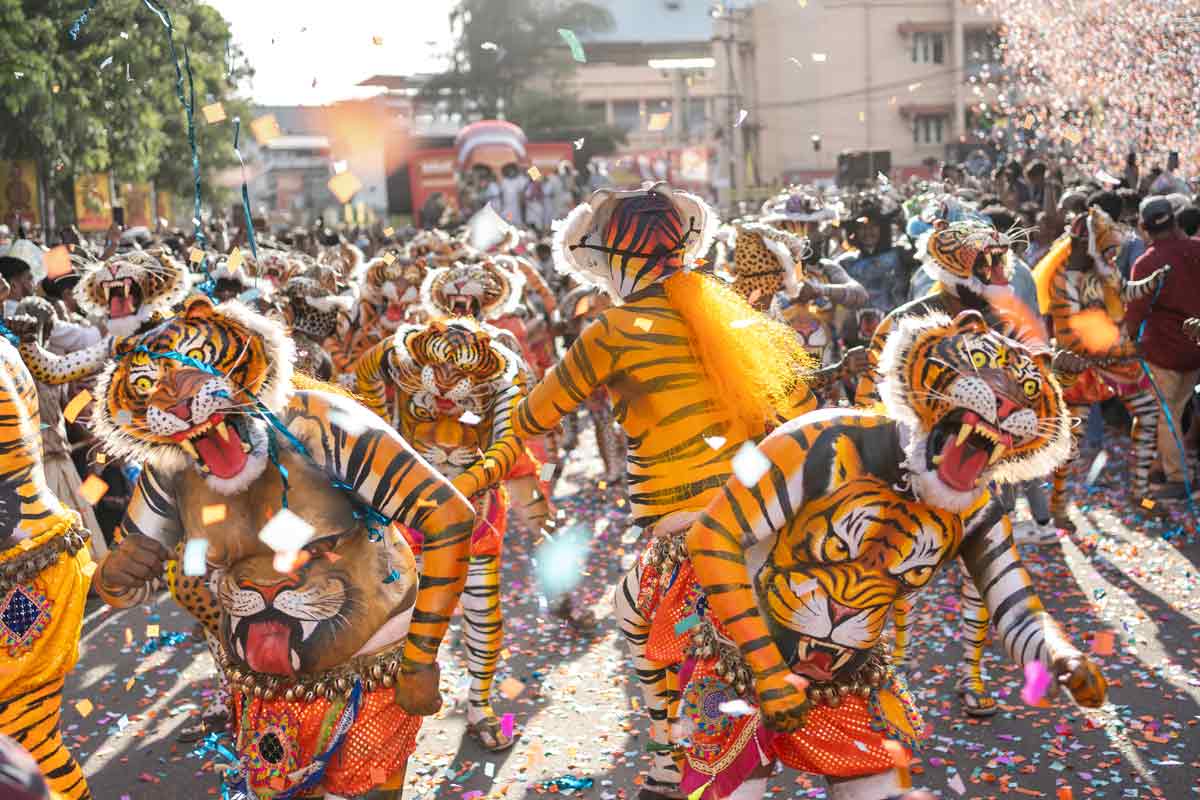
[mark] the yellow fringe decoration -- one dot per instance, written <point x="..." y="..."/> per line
<point x="307" y="383"/>
<point x="753" y="361"/>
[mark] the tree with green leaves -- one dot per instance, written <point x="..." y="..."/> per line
<point x="510" y="61"/>
<point x="106" y="100"/>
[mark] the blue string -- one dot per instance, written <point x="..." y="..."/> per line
<point x="345" y="721"/>
<point x="237" y="129"/>
<point x="189" y="106"/>
<point x="1162" y="403"/>
<point x="372" y="519"/>
<point x="7" y="334"/>
<point x="82" y="20"/>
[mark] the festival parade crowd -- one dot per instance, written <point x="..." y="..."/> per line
<point x="318" y="440"/>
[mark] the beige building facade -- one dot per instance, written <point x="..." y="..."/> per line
<point x="856" y="75"/>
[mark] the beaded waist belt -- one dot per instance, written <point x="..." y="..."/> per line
<point x="22" y="562"/>
<point x="373" y="671"/>
<point x="874" y="672"/>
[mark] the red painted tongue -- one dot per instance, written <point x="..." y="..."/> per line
<point x="224" y="459"/>
<point x="395" y="312"/>
<point x="820" y="660"/>
<point x="268" y="648"/>
<point x="962" y="466"/>
<point x="120" y="306"/>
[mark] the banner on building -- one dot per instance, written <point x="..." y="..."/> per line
<point x="93" y="202"/>
<point x="19" y="192"/>
<point x="138" y="200"/>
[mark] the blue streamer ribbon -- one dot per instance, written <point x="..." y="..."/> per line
<point x="368" y="515"/>
<point x="82" y="20"/>
<point x="189" y="107"/>
<point x="345" y="721"/>
<point x="237" y="129"/>
<point x="1162" y="403"/>
<point x="7" y="334"/>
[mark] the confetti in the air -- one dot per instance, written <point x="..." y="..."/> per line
<point x="489" y="46"/>
<point x="212" y="514"/>
<point x="195" y="557"/>
<point x="93" y="489"/>
<point x="235" y="259"/>
<point x="736" y="708"/>
<point x="1037" y="682"/>
<point x="213" y="113"/>
<point x="469" y="418"/>
<point x="750" y="465"/>
<point x="742" y="114"/>
<point x="659" y="121"/>
<point x="344" y="186"/>
<point x="561" y="562"/>
<point x="715" y="442"/>
<point x="265" y="128"/>
<point x="534" y="173"/>
<point x="285" y="532"/>
<point x="78" y="403"/>
<point x="820" y="58"/>
<point x="572" y="41"/>
<point x="1098" y="465"/>
<point x="578" y="143"/>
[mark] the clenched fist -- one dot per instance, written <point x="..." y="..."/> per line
<point x="1082" y="679"/>
<point x="136" y="561"/>
<point x="417" y="689"/>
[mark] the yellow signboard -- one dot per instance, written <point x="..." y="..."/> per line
<point x="93" y="202"/>
<point x="18" y="192"/>
<point x="139" y="210"/>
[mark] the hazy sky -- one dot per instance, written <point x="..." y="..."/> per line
<point x="291" y="43"/>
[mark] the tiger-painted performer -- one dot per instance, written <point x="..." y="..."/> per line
<point x="314" y="614"/>
<point x="776" y="271"/>
<point x="45" y="568"/>
<point x="315" y="312"/>
<point x="453" y="391"/>
<point x="389" y="294"/>
<point x="693" y="372"/>
<point x="858" y="507"/>
<point x="971" y="262"/>
<point x="1082" y="290"/>
<point x="130" y="292"/>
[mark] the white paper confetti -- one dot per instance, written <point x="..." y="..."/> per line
<point x="715" y="442"/>
<point x="285" y="532"/>
<point x="820" y="58"/>
<point x="195" y="557"/>
<point x="578" y="144"/>
<point x="736" y="708"/>
<point x="469" y="418"/>
<point x="1098" y="464"/>
<point x="750" y="465"/>
<point x="106" y="62"/>
<point x="489" y="46"/>
<point x="547" y="472"/>
<point x="741" y="118"/>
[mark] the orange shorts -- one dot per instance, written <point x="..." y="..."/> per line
<point x="276" y="738"/>
<point x="848" y="741"/>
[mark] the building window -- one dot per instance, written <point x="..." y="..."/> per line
<point x="929" y="128"/>
<point x="981" y="47"/>
<point x="625" y="115"/>
<point x="928" y="48"/>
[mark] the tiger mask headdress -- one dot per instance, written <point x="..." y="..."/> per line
<point x="450" y="367"/>
<point x="481" y="290"/>
<point x="976" y="406"/>
<point x="393" y="285"/>
<point x="179" y="395"/>
<point x="626" y="241"/>
<point x="764" y="262"/>
<point x="970" y="255"/>
<point x="314" y="308"/>
<point x="130" y="288"/>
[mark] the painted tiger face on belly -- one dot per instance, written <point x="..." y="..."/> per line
<point x="159" y="406"/>
<point x="975" y="407"/>
<point x="833" y="576"/>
